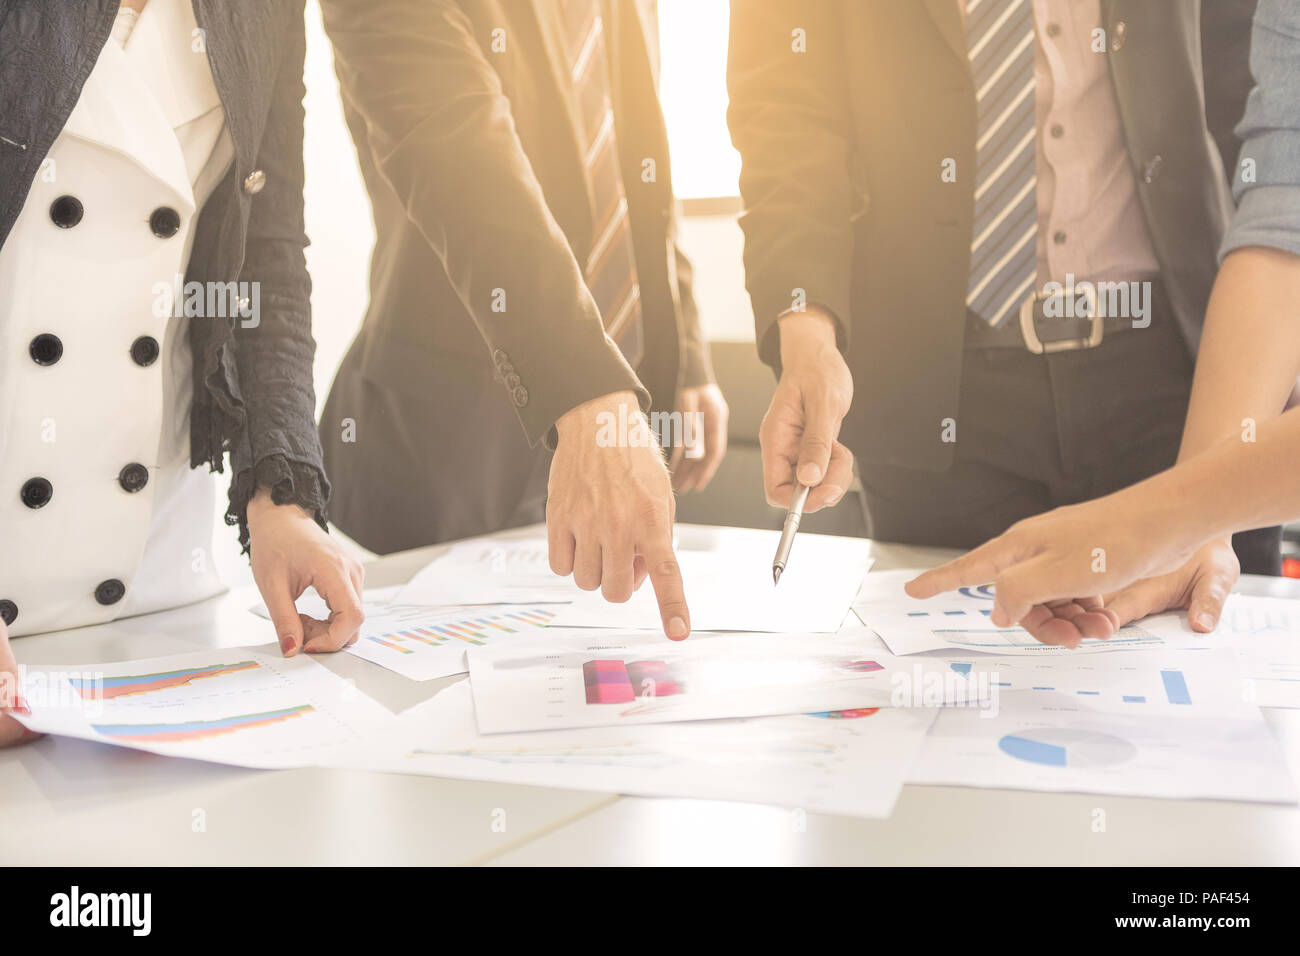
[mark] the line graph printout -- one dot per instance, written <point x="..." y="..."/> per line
<point x="615" y="678"/>
<point x="423" y="643"/>
<point x="961" y="620"/>
<point x="1174" y="727"/>
<point x="849" y="763"/>
<point x="1264" y="631"/>
<point x="226" y="706"/>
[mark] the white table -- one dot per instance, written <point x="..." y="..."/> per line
<point x="71" y="802"/>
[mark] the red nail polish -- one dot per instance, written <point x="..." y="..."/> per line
<point x="286" y="645"/>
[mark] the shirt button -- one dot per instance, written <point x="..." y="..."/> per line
<point x="110" y="591"/>
<point x="1153" y="169"/>
<point x="37" y="492"/>
<point x="46" y="349"/>
<point x="165" y="222"/>
<point x="254" y="182"/>
<point x="144" y="350"/>
<point x="520" y="396"/>
<point x="1059" y="237"/>
<point x="66" y="211"/>
<point x="133" y="477"/>
<point x="1057" y="131"/>
<point x="8" y="611"/>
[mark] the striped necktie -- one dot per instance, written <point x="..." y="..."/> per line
<point x="610" y="269"/>
<point x="1004" y="257"/>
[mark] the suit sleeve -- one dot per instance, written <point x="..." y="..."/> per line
<point x="278" y="447"/>
<point x="1266" y="181"/>
<point x="697" y="364"/>
<point x="788" y="118"/>
<point x="444" y="139"/>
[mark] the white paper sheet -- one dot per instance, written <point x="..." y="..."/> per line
<point x="959" y="621"/>
<point x="423" y="643"/>
<point x="1265" y="632"/>
<point x="848" y="763"/>
<point x="542" y="685"/>
<point x="729" y="587"/>
<point x="225" y="706"/>
<point x="490" y="571"/>
<point x="1160" y="724"/>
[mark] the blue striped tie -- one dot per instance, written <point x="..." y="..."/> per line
<point x="1003" y="270"/>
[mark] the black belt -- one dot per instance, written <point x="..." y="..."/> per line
<point x="1077" y="318"/>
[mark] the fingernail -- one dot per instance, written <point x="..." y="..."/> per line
<point x="810" y="474"/>
<point x="1206" y="621"/>
<point x="286" y="644"/>
<point x="677" y="629"/>
<point x="833" y="495"/>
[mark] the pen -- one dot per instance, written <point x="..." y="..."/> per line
<point x="787" y="532"/>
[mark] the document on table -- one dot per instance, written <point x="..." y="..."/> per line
<point x="960" y="620"/>
<point x="1264" y="631"/>
<point x="1155" y="724"/>
<point x="511" y="570"/>
<point x="845" y="762"/>
<point x="424" y="643"/>
<point x="630" y="677"/>
<point x="225" y="706"/>
<point x="728" y="582"/>
<point x="729" y="588"/>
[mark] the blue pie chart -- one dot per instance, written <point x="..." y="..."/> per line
<point x="1067" y="747"/>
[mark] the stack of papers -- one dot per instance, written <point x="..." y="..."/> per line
<point x="826" y="692"/>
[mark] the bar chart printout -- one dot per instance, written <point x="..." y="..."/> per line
<point x="227" y="706"/>
<point x="424" y="643"/>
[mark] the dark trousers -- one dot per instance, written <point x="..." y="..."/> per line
<point x="1035" y="432"/>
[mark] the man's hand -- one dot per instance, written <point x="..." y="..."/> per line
<point x="610" y="508"/>
<point x="1050" y="571"/>
<point x="11" y="700"/>
<point x="703" y="445"/>
<point x="1201" y="586"/>
<point x="799" y="434"/>
<point x="289" y="551"/>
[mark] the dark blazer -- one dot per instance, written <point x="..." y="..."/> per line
<point x="252" y="385"/>
<point x="841" y="150"/>
<point x="471" y="156"/>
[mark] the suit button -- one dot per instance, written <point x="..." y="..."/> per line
<point x="500" y="358"/>
<point x="254" y="182"/>
<point x="165" y="222"/>
<point x="8" y="611"/>
<point x="37" y="492"/>
<point x="66" y="211"/>
<point x="133" y="477"/>
<point x="512" y="381"/>
<point x="144" y="350"/>
<point x="1118" y="35"/>
<point x="520" y="395"/>
<point x="110" y="591"/>
<point x="46" y="349"/>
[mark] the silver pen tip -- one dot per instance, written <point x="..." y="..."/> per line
<point x="776" y="575"/>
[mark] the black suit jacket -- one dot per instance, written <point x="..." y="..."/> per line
<point x="479" y="320"/>
<point x="842" y="148"/>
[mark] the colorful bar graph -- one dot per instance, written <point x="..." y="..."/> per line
<point x="1176" y="687"/>
<point x="111" y="688"/>
<point x="607" y="682"/>
<point x="436" y="630"/>
<point x="199" y="729"/>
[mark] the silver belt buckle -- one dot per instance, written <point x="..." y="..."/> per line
<point x="1030" y="334"/>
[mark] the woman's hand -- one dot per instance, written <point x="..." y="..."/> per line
<point x="695" y="459"/>
<point x="289" y="552"/>
<point x="11" y="700"/>
<point x="1050" y="571"/>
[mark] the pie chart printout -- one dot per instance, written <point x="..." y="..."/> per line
<point x="1067" y="747"/>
